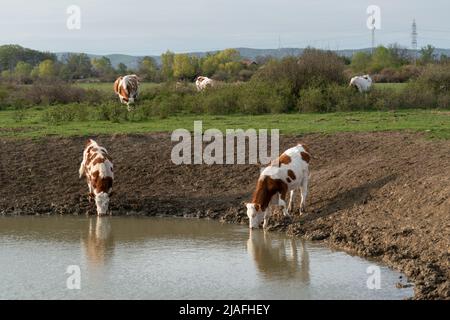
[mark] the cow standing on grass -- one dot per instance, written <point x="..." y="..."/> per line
<point x="362" y="83"/>
<point x="203" y="82"/>
<point x="127" y="88"/>
<point x="98" y="169"/>
<point x="288" y="173"/>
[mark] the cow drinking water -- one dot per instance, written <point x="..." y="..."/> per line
<point x="98" y="169"/>
<point x="288" y="173"/>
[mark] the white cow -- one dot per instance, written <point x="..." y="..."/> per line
<point x="362" y="83"/>
<point x="203" y="82"/>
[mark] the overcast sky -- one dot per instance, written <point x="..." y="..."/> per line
<point x="142" y="27"/>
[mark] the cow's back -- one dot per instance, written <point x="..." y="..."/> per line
<point x="99" y="169"/>
<point x="291" y="167"/>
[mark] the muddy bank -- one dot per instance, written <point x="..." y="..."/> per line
<point x="382" y="195"/>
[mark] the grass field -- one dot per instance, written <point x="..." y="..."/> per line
<point x="108" y="86"/>
<point x="435" y="123"/>
<point x="395" y="86"/>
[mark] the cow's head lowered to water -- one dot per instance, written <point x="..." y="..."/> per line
<point x="255" y="215"/>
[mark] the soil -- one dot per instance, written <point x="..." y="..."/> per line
<point x="380" y="195"/>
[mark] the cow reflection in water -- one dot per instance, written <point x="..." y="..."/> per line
<point x="277" y="257"/>
<point x="99" y="242"/>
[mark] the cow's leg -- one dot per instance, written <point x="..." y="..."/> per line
<point x="91" y="191"/>
<point x="266" y="217"/>
<point x="81" y="170"/>
<point x="282" y="202"/>
<point x="291" y="199"/>
<point x="304" y="194"/>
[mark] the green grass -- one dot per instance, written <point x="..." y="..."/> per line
<point x="434" y="122"/>
<point x="108" y="86"/>
<point x="395" y="86"/>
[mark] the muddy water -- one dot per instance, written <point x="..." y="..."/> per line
<point x="164" y="258"/>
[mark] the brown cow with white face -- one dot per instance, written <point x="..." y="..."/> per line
<point x="288" y="173"/>
<point x="127" y="88"/>
<point x="98" y="169"/>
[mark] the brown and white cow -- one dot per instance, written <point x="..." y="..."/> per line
<point x="98" y="169"/>
<point x="203" y="82"/>
<point x="127" y="88"/>
<point x="288" y="173"/>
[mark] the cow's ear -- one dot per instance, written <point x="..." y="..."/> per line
<point x="88" y="142"/>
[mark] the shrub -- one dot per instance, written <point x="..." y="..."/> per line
<point x="314" y="100"/>
<point x="402" y="74"/>
<point x="221" y="100"/>
<point x="257" y="98"/>
<point x="436" y="77"/>
<point x="113" y="112"/>
<point x="443" y="101"/>
<point x="418" y="95"/>
<point x="314" y="68"/>
<point x="66" y="113"/>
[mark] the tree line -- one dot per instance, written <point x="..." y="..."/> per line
<point x="21" y="65"/>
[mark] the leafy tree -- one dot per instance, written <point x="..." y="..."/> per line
<point x="427" y="54"/>
<point x="10" y="55"/>
<point x="47" y="69"/>
<point x="103" y="68"/>
<point x="148" y="69"/>
<point x="226" y="61"/>
<point x="381" y="59"/>
<point x="167" y="61"/>
<point x="22" y="72"/>
<point x="361" y="61"/>
<point x="77" y="66"/>
<point x="184" y="67"/>
<point x="399" y="55"/>
<point x="6" y="75"/>
<point x="122" y="69"/>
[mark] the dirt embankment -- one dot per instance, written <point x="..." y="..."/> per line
<point x="383" y="195"/>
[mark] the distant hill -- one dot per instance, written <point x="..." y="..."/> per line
<point x="132" y="61"/>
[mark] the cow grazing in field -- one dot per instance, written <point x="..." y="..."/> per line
<point x="127" y="88"/>
<point x="288" y="173"/>
<point x="203" y="82"/>
<point x="362" y="83"/>
<point x="98" y="168"/>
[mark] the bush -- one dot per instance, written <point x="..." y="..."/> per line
<point x="314" y="68"/>
<point x="314" y="100"/>
<point x="418" y="95"/>
<point x="393" y="75"/>
<point x="221" y="100"/>
<point x="111" y="112"/>
<point x="443" y="101"/>
<point x="436" y="77"/>
<point x="66" y="113"/>
<point x="258" y="98"/>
